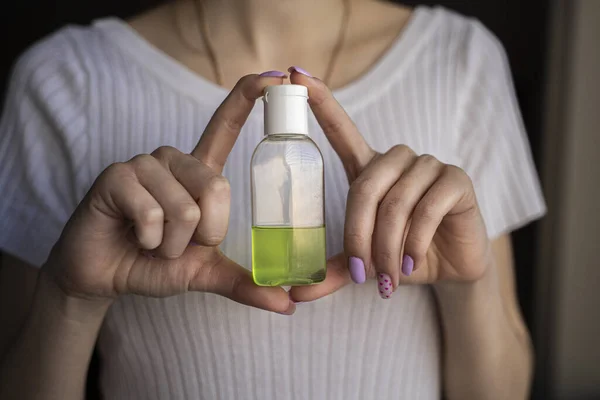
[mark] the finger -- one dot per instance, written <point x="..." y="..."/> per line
<point x="218" y="274"/>
<point x="209" y="190"/>
<point x="364" y="196"/>
<point x="448" y="196"/>
<point x="127" y="199"/>
<point x="341" y="132"/>
<point x="394" y="212"/>
<point x="337" y="277"/>
<point x="225" y="125"/>
<point x="181" y="213"/>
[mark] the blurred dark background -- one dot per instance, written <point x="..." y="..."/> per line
<point x="520" y="25"/>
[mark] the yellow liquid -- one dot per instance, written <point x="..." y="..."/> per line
<point x="283" y="256"/>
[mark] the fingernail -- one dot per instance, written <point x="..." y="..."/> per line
<point x="384" y="285"/>
<point x="299" y="70"/>
<point x="192" y="243"/>
<point x="290" y="310"/>
<point x="274" y="74"/>
<point x="357" y="270"/>
<point x="408" y="265"/>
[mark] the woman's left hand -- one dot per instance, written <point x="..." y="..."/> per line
<point x="409" y="218"/>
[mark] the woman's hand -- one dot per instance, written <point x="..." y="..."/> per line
<point x="409" y="218"/>
<point x="151" y="226"/>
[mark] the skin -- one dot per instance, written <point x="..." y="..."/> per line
<point x="399" y="203"/>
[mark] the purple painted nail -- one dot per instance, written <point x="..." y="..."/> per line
<point x="299" y="70"/>
<point x="357" y="270"/>
<point x="384" y="285"/>
<point x="408" y="265"/>
<point x="274" y="74"/>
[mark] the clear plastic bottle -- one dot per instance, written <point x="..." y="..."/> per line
<point x="288" y="215"/>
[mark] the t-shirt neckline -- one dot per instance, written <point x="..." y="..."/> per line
<point x="383" y="72"/>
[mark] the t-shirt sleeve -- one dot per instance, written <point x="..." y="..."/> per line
<point x="491" y="142"/>
<point x="42" y="137"/>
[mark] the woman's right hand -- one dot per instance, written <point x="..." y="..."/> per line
<point x="151" y="226"/>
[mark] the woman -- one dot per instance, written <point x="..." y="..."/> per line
<point x="137" y="264"/>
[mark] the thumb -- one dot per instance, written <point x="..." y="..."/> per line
<point x="337" y="277"/>
<point x="220" y="275"/>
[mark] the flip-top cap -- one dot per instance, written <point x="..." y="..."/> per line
<point x="286" y="109"/>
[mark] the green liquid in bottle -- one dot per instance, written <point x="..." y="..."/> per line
<point x="288" y="256"/>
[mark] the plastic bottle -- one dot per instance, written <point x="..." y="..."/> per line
<point x="288" y="213"/>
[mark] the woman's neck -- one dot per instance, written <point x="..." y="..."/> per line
<point x="253" y="25"/>
<point x="250" y="36"/>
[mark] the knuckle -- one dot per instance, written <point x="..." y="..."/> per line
<point x="117" y="171"/>
<point x="428" y="159"/>
<point x="407" y="186"/>
<point x="333" y="126"/>
<point x="187" y="213"/>
<point x="183" y="164"/>
<point x="231" y="124"/>
<point x="213" y="239"/>
<point x="392" y="208"/>
<point x="165" y="152"/>
<point x="355" y="240"/>
<point x="402" y="150"/>
<point x="111" y="180"/>
<point x="458" y="173"/>
<point x="363" y="187"/>
<point x="386" y="257"/>
<point x="151" y="215"/>
<point x="218" y="185"/>
<point x="142" y="161"/>
<point x="453" y="171"/>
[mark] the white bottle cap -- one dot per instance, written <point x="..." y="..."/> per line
<point x="286" y="109"/>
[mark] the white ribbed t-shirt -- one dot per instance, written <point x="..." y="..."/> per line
<point x="90" y="96"/>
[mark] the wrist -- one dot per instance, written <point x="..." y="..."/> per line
<point x="462" y="304"/>
<point x="486" y="284"/>
<point x="71" y="307"/>
<point x="486" y="268"/>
